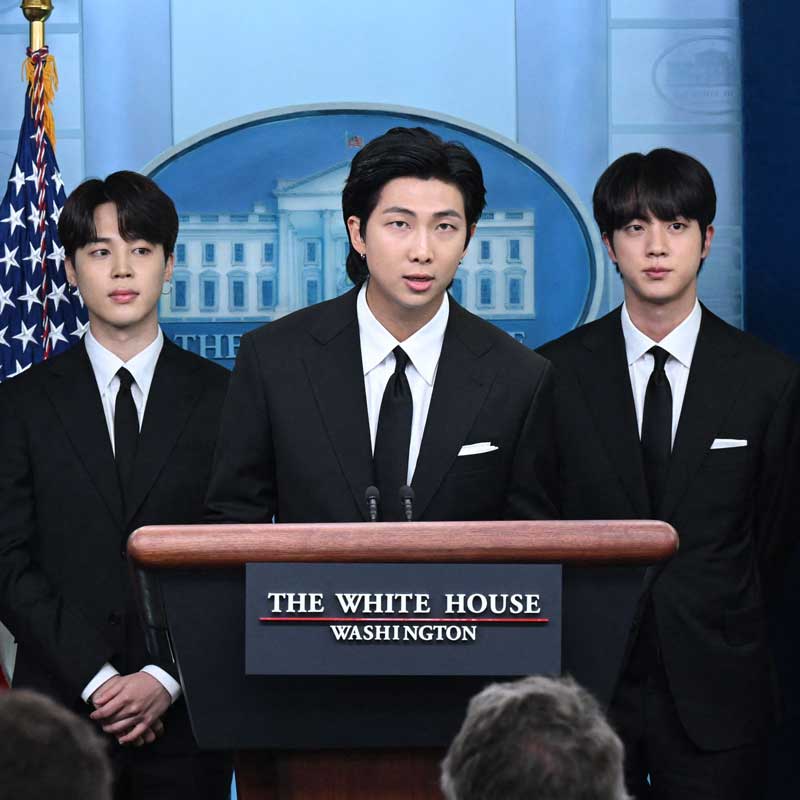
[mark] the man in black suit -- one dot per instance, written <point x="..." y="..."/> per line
<point x="393" y="383"/>
<point x="665" y="411"/>
<point x="114" y="434"/>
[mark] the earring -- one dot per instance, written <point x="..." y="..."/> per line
<point x="363" y="256"/>
<point x="168" y="286"/>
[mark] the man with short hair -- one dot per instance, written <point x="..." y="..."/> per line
<point x="664" y="411"/>
<point x="393" y="383"/>
<point x="534" y="739"/>
<point x="48" y="752"/>
<point x="116" y="433"/>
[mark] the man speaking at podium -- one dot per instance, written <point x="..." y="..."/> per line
<point x="392" y="385"/>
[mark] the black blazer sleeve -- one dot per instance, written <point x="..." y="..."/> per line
<point x="30" y="606"/>
<point x="242" y="487"/>
<point x="532" y="484"/>
<point x="778" y="485"/>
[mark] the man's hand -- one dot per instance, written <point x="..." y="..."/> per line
<point x="130" y="708"/>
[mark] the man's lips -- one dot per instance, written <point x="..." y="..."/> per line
<point x="418" y="282"/>
<point x="123" y="295"/>
<point x="657" y="272"/>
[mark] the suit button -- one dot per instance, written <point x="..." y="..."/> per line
<point x="114" y="618"/>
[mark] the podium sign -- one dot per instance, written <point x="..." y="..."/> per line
<point x="402" y="619"/>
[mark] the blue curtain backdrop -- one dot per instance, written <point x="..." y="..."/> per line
<point x="771" y="109"/>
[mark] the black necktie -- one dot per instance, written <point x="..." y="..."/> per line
<point x="657" y="429"/>
<point x="393" y="438"/>
<point x="126" y="431"/>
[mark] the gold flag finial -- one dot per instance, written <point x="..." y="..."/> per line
<point x="36" y="12"/>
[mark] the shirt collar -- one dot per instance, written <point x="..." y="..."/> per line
<point x="423" y="347"/>
<point x="105" y="364"/>
<point x="679" y="343"/>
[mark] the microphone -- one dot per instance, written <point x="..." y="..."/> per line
<point x="407" y="500"/>
<point x="372" y="496"/>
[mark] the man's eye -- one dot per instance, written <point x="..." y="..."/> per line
<point x="677" y="226"/>
<point x="398" y="223"/>
<point x="99" y="252"/>
<point x="447" y="226"/>
<point x="634" y="228"/>
<point x="141" y="251"/>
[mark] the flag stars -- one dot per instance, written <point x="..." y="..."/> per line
<point x="58" y="295"/>
<point x="35" y="217"/>
<point x="3" y="337"/>
<point x="18" y="179"/>
<point x="56" y="215"/>
<point x="76" y="292"/>
<point x="9" y="259"/>
<point x="35" y="256"/>
<point x="56" y="335"/>
<point x="57" y="180"/>
<point x="5" y="298"/>
<point x="14" y="217"/>
<point x="26" y="336"/>
<point x="57" y="255"/>
<point x="20" y="369"/>
<point x="80" y="328"/>
<point x="31" y="296"/>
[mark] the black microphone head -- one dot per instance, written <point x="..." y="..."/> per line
<point x="406" y="493"/>
<point x="372" y="493"/>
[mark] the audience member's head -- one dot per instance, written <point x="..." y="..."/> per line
<point x="534" y="739"/>
<point x="47" y="752"/>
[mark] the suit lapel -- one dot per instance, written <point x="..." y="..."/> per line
<point x="173" y="395"/>
<point x="605" y="380"/>
<point x="461" y="386"/>
<point x="712" y="387"/>
<point x="334" y="367"/>
<point x="73" y="391"/>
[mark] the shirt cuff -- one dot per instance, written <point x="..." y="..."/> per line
<point x="165" y="679"/>
<point x="105" y="672"/>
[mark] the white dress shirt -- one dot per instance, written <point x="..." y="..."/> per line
<point x="142" y="367"/>
<point x="679" y="343"/>
<point x="423" y="349"/>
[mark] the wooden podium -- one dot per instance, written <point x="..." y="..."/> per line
<point x="329" y="738"/>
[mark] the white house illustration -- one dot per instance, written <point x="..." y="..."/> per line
<point x="258" y="266"/>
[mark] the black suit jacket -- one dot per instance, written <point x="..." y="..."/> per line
<point x="735" y="510"/>
<point x="295" y="443"/>
<point x="64" y="587"/>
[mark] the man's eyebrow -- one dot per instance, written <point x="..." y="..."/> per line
<point x="398" y="210"/>
<point x="448" y="212"/>
<point x="99" y="240"/>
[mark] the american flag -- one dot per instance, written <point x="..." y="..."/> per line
<point x="40" y="316"/>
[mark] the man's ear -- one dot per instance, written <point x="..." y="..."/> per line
<point x="72" y="276"/>
<point x="356" y="239"/>
<point x="472" y="229"/>
<point x="170" y="265"/>
<point x="609" y="244"/>
<point x="707" y="242"/>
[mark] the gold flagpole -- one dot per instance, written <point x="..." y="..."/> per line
<point x="36" y="12"/>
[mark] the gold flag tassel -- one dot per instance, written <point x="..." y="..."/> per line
<point x="49" y="85"/>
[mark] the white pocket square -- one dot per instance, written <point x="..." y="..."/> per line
<point x="475" y="449"/>
<point x="724" y="444"/>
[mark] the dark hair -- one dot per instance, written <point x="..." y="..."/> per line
<point x="47" y="751"/>
<point x="408" y="153"/>
<point x="538" y="737"/>
<point x="143" y="212"/>
<point x="664" y="184"/>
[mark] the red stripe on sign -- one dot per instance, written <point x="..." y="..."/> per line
<point x="413" y="620"/>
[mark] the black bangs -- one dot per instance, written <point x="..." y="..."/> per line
<point x="143" y="212"/>
<point x="664" y="184"/>
<point x="408" y="152"/>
